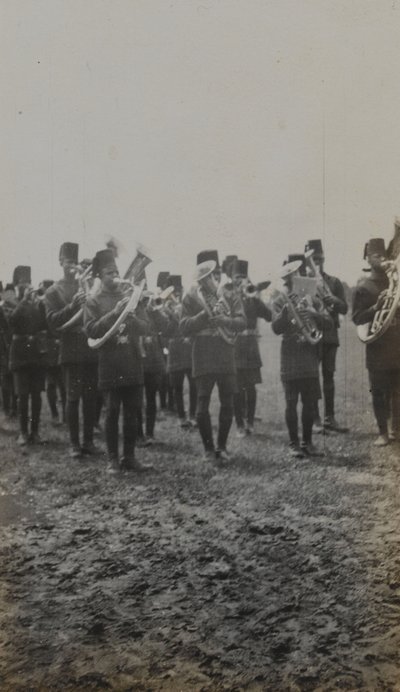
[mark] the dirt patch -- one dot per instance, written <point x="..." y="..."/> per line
<point x="268" y="575"/>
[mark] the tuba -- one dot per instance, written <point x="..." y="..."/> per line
<point x="306" y="328"/>
<point x="133" y="282"/>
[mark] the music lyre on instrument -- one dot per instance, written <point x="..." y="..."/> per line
<point x="135" y="274"/>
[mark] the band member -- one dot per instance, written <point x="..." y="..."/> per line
<point x="28" y="354"/>
<point x="54" y="376"/>
<point x="64" y="302"/>
<point x="247" y="352"/>
<point x="382" y="355"/>
<point x="299" y="360"/>
<point x="120" y="361"/>
<point x="180" y="358"/>
<point x="333" y="296"/>
<point x="212" y="321"/>
<point x="154" y="366"/>
<point x="9" y="302"/>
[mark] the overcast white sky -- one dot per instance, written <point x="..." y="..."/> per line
<point x="189" y="124"/>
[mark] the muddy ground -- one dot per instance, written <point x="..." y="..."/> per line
<point x="272" y="574"/>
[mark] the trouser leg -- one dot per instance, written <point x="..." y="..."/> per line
<point x="251" y="403"/>
<point x="51" y="391"/>
<point x="89" y="399"/>
<point x="131" y="401"/>
<point x="380" y="390"/>
<point x="22" y="387"/>
<point x="307" y="414"/>
<point x="113" y="401"/>
<point x="291" y="412"/>
<point x="37" y="381"/>
<point x="178" y="392"/>
<point x="239" y="407"/>
<point x="192" y="396"/>
<point x="151" y="387"/>
<point x="204" y="422"/>
<point x="225" y="418"/>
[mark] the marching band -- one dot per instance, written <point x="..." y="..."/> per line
<point x="94" y="337"/>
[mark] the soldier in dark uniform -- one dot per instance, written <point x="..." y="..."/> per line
<point x="63" y="300"/>
<point x="299" y="366"/>
<point x="247" y="352"/>
<point x="9" y="302"/>
<point x="28" y="353"/>
<point x="54" y="376"/>
<point x="204" y="315"/>
<point x="179" y="363"/>
<point x="120" y="361"/>
<point x="382" y="355"/>
<point x="333" y="297"/>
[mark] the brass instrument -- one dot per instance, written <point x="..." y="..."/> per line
<point x="323" y="289"/>
<point x="134" y="280"/>
<point x="251" y="290"/>
<point x="371" y="331"/>
<point x="307" y="328"/>
<point x="84" y="276"/>
<point x="217" y="304"/>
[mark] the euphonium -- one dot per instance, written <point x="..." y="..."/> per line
<point x="306" y="327"/>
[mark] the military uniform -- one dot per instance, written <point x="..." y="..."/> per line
<point x="213" y="360"/>
<point x="382" y="355"/>
<point x="79" y="362"/>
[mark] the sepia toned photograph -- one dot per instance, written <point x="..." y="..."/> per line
<point x="200" y="345"/>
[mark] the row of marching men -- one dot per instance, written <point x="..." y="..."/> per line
<point x="112" y="336"/>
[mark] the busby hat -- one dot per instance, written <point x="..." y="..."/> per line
<point x="206" y="255"/>
<point x="69" y="251"/>
<point x="22" y="275"/>
<point x="375" y="246"/>
<point x="175" y="280"/>
<point x="162" y="279"/>
<point x="103" y="259"/>
<point x="316" y="246"/>
<point x="204" y="269"/>
<point x="240" y="268"/>
<point x="227" y="264"/>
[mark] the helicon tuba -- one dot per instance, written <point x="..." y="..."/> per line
<point x="371" y="331"/>
<point x="134" y="280"/>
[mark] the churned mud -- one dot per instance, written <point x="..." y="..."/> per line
<point x="271" y="574"/>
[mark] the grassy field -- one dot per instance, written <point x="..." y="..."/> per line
<point x="272" y="574"/>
